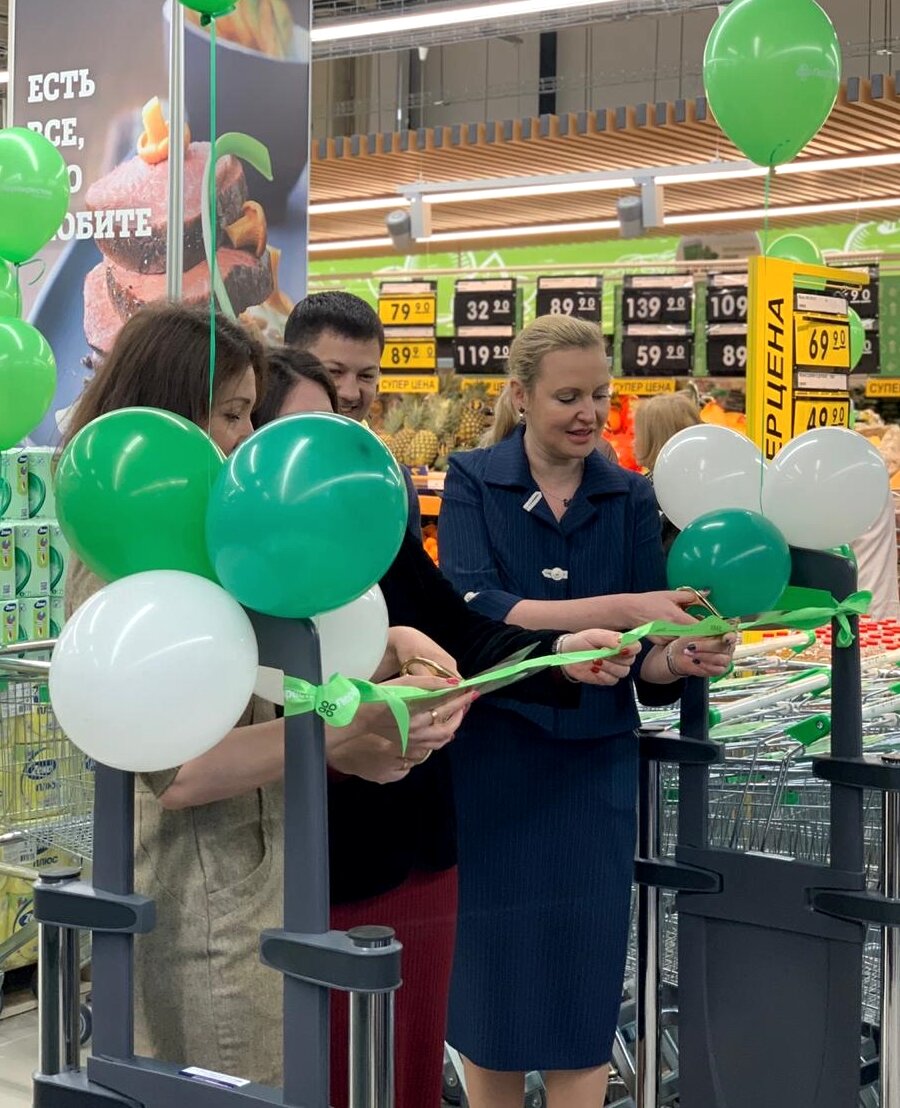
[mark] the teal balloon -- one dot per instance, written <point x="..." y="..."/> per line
<point x="210" y="8"/>
<point x="306" y="516"/>
<point x="27" y="380"/>
<point x="857" y="338"/>
<point x="772" y="71"/>
<point x="10" y="298"/>
<point x="795" y="248"/>
<point x="739" y="556"/>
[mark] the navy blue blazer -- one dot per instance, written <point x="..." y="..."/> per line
<point x="500" y="544"/>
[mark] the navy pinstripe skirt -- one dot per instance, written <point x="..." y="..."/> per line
<point x="546" y="852"/>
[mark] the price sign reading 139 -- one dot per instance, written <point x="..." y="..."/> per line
<point x="821" y="342"/>
<point x="397" y="311"/>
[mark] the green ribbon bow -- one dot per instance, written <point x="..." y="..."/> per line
<point x="340" y="698"/>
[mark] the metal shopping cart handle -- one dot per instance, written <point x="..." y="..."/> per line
<point x="13" y="665"/>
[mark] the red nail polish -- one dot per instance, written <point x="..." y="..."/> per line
<point x="596" y="667"/>
<point x="452" y="680"/>
<point x="475" y="696"/>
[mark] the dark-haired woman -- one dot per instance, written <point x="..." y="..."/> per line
<point x="209" y="833"/>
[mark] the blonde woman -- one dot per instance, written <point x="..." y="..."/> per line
<point x="541" y="528"/>
<point x="656" y="421"/>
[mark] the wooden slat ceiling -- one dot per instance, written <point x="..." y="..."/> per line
<point x="866" y="120"/>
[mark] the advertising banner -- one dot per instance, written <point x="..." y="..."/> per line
<point x="92" y="76"/>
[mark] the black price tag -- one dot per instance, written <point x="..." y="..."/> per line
<point x="863" y="300"/>
<point x="726" y="355"/>
<point x="480" y="355"/>
<point x="490" y="309"/>
<point x="580" y="303"/>
<point x="651" y="356"/>
<point x="869" y="363"/>
<point x="726" y="304"/>
<point x="657" y="305"/>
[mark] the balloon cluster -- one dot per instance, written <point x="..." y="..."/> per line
<point x="34" y="199"/>
<point x="301" y="522"/>
<point x="738" y="517"/>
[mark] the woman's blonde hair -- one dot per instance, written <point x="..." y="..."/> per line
<point x="657" y="420"/>
<point x="545" y="335"/>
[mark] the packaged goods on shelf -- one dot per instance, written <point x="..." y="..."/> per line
<point x="7" y="562"/>
<point x="9" y="622"/>
<point x="41" y="499"/>
<point x="34" y="618"/>
<point x="59" y="560"/>
<point x="32" y="559"/>
<point x="13" y="484"/>
<point x="57" y="615"/>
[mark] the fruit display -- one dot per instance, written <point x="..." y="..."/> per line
<point x="422" y="432"/>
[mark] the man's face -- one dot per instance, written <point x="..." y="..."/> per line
<point x="354" y="368"/>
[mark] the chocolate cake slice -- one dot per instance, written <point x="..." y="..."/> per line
<point x="248" y="280"/>
<point x="135" y="184"/>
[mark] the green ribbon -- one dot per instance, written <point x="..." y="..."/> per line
<point x="339" y="699"/>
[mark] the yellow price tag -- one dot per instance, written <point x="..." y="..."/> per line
<point x="643" y="386"/>
<point x="493" y="385"/>
<point x="821" y="341"/>
<point x="821" y="410"/>
<point x="400" y="311"/>
<point x="410" y="383"/>
<point x="415" y="354"/>
<point x="883" y="387"/>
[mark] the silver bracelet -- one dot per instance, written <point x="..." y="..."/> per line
<point x="670" y="664"/>
<point x="557" y="649"/>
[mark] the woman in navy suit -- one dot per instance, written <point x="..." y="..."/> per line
<point x="540" y="529"/>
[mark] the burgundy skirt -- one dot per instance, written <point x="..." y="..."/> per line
<point x="422" y="912"/>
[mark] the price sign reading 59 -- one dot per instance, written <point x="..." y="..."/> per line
<point x="821" y="342"/>
<point x="397" y="311"/>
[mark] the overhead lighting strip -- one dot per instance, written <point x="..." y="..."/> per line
<point x="441" y="18"/>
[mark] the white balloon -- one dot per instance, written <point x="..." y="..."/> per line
<point x="825" y="488"/>
<point x="705" y="469"/>
<point x="353" y="638"/>
<point x="153" y="670"/>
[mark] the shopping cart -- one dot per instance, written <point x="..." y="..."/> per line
<point x="46" y="788"/>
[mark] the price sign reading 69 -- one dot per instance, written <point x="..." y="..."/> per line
<point x="821" y="341"/>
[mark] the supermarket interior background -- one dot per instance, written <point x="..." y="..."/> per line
<point x="715" y="189"/>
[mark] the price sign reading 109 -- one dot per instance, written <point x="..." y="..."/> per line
<point x="726" y="305"/>
<point x="657" y="305"/>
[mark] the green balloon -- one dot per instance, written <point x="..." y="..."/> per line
<point x="10" y="297"/>
<point x="34" y="193"/>
<point x="857" y="338"/>
<point x="772" y="70"/>
<point x="210" y="8"/>
<point x="306" y="516"/>
<point x="795" y="248"/>
<point x="132" y="488"/>
<point x="739" y="556"/>
<point x="27" y="380"/>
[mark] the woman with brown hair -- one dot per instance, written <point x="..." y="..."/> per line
<point x="655" y="422"/>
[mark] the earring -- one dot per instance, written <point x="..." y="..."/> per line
<point x="521" y="415"/>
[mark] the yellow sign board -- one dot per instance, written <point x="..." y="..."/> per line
<point x="410" y="383"/>
<point x="643" y="386"/>
<point x="827" y="409"/>
<point x="414" y="354"/>
<point x="493" y="385"/>
<point x="786" y="345"/>
<point x="883" y="387"/>
<point x="821" y="341"/>
<point x="398" y="311"/>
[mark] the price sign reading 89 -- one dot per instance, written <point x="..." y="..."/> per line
<point x="644" y="305"/>
<point x="409" y="355"/>
<point x="581" y="304"/>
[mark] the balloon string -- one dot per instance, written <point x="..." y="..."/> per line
<point x="767" y="200"/>
<point x="214" y="219"/>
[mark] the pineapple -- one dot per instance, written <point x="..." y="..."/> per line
<point x="393" y="424"/>
<point x="474" y="420"/>
<point x="425" y="446"/>
<point x="403" y="439"/>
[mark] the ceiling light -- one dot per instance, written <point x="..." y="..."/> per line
<point x="514" y="192"/>
<point x="862" y="161"/>
<point x="524" y="232"/>
<point x="442" y="18"/>
<point x="695" y="176"/>
<point x="338" y="206"/>
<point x="781" y="213"/>
<point x="350" y="244"/>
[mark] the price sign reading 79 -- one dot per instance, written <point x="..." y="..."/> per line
<point x="399" y="310"/>
<point x="821" y="342"/>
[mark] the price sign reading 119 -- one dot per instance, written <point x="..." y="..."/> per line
<point x="480" y="355"/>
